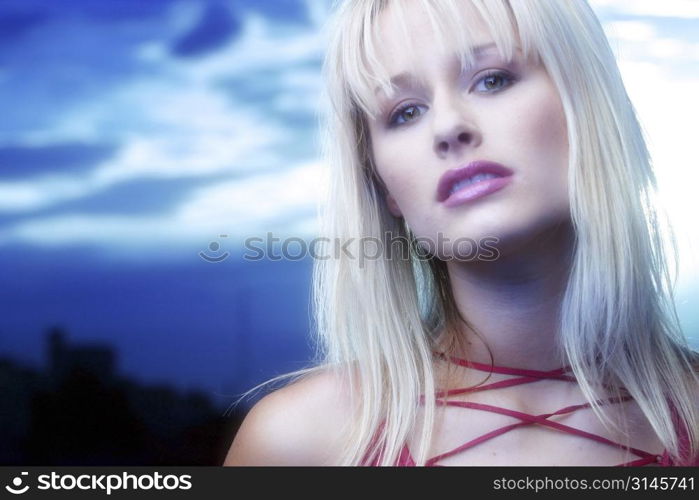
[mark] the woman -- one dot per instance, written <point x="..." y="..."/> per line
<point x="532" y="322"/>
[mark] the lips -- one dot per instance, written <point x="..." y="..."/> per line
<point x="480" y="167"/>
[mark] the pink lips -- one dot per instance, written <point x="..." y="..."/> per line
<point x="476" y="189"/>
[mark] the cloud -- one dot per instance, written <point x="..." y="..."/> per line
<point x="666" y="8"/>
<point x="667" y="113"/>
<point x="138" y="197"/>
<point x="259" y="198"/>
<point x="241" y="209"/>
<point x="182" y="122"/>
<point x="658" y="60"/>
<point x="640" y="40"/>
<point x="23" y="196"/>
<point x="634" y="31"/>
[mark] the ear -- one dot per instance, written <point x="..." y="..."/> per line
<point x="393" y="206"/>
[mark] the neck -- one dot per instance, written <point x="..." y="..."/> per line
<point x="513" y="302"/>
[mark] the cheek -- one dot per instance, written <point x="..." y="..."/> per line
<point x="401" y="166"/>
<point x="539" y="138"/>
<point x="549" y="132"/>
<point x="549" y="135"/>
<point x="548" y="126"/>
<point x="393" y="167"/>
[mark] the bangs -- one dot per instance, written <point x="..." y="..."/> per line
<point x="449" y="20"/>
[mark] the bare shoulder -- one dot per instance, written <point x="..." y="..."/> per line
<point x="299" y="424"/>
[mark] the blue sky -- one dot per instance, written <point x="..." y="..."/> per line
<point x="206" y="102"/>
<point x="133" y="134"/>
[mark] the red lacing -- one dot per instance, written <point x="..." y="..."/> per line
<point x="524" y="376"/>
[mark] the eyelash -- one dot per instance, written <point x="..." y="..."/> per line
<point x="506" y="76"/>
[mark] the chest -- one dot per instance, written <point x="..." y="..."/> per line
<point x="499" y="429"/>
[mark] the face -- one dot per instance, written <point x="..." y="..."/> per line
<point x="447" y="117"/>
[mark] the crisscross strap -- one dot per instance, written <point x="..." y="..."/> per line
<point x="524" y="376"/>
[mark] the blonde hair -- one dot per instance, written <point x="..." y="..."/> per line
<point x="378" y="319"/>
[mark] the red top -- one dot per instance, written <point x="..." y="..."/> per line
<point x="523" y="377"/>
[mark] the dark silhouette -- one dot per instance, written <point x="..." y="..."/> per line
<point x="79" y="412"/>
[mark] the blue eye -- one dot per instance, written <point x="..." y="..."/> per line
<point x="402" y="112"/>
<point x="495" y="81"/>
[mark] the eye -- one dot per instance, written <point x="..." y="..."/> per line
<point x="407" y="112"/>
<point x="494" y="81"/>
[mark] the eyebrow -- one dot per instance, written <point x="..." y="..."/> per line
<point x="407" y="79"/>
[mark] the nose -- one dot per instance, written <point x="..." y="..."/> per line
<point x="453" y="129"/>
<point x="452" y="141"/>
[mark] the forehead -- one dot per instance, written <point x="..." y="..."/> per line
<point x="415" y="23"/>
<point x="407" y="35"/>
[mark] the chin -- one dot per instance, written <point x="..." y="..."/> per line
<point x="503" y="236"/>
<point x="542" y="234"/>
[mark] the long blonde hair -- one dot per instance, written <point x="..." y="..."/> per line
<point x="378" y="319"/>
